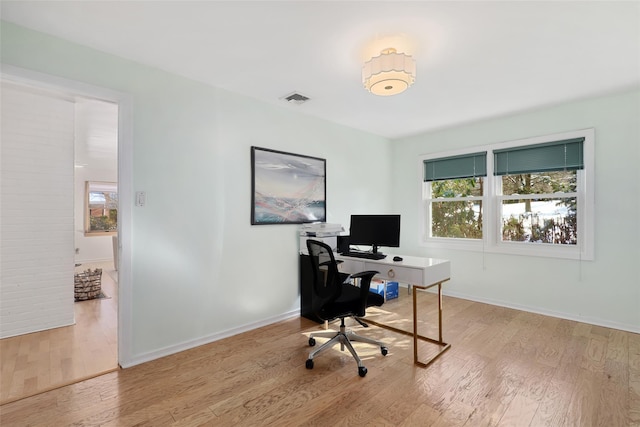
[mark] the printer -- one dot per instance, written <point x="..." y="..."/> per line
<point x="321" y="231"/>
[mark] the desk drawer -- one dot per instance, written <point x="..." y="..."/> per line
<point x="417" y="271"/>
<point x="397" y="273"/>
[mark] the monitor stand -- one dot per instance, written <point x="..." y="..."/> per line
<point x="377" y="255"/>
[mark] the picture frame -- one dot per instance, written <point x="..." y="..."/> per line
<point x="287" y="188"/>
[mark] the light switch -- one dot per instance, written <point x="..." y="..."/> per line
<point x="141" y="198"/>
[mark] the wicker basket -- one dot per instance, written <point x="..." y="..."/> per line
<point x="88" y="284"/>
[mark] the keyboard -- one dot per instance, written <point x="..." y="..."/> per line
<point x="367" y="255"/>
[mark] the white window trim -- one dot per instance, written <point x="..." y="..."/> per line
<point x="492" y="240"/>
<point x="109" y="186"/>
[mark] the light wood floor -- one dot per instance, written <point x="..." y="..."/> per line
<point x="505" y="368"/>
<point x="41" y="361"/>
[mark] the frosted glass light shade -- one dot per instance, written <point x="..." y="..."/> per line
<point x="389" y="74"/>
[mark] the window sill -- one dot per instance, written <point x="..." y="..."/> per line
<point x="510" y="248"/>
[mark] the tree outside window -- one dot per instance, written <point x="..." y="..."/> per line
<point x="540" y="208"/>
<point x="456" y="208"/>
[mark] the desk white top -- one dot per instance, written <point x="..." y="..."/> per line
<point x="407" y="261"/>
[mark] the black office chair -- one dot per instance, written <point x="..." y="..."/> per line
<point x="339" y="299"/>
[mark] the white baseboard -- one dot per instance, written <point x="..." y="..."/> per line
<point x="93" y="261"/>
<point x="538" y="310"/>
<point x="187" y="345"/>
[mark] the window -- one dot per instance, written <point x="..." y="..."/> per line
<point x="455" y="195"/>
<point x="101" y="208"/>
<point x="539" y="207"/>
<point x="536" y="200"/>
<point x="537" y="191"/>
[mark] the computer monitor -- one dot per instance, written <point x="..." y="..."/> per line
<point x="375" y="231"/>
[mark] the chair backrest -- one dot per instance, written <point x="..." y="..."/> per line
<point x="327" y="281"/>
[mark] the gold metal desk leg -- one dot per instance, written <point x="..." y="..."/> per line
<point x="416" y="336"/>
<point x="444" y="346"/>
<point x="440" y="312"/>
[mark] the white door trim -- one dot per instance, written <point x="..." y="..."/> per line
<point x="125" y="182"/>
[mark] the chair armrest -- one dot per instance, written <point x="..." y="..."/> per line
<point x="363" y="274"/>
<point x="346" y="277"/>
<point x="365" y="283"/>
<point x="329" y="262"/>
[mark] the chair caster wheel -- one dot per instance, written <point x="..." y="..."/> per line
<point x="384" y="351"/>
<point x="312" y="342"/>
<point x="309" y="364"/>
<point x="362" y="371"/>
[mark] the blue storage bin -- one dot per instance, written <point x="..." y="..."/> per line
<point x="378" y="288"/>
<point x="392" y="290"/>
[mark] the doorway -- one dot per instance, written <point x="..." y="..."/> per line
<point x="100" y="317"/>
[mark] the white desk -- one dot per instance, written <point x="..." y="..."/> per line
<point x="420" y="273"/>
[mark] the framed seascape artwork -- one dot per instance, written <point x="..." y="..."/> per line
<point x="287" y="188"/>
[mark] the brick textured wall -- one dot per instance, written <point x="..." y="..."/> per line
<point x="36" y="211"/>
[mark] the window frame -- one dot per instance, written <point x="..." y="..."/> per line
<point x="87" y="209"/>
<point x="460" y="241"/>
<point x="491" y="241"/>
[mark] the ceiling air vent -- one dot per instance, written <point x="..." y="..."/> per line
<point x="296" y="98"/>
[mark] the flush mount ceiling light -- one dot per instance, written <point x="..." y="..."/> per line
<point x="389" y="74"/>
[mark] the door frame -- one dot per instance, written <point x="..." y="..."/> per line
<point x="14" y="74"/>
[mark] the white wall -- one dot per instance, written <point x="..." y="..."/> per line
<point x="605" y="291"/>
<point x="196" y="256"/>
<point x="36" y="215"/>
<point x="200" y="271"/>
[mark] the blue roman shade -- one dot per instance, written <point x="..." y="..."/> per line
<point x="565" y="155"/>
<point x="454" y="167"/>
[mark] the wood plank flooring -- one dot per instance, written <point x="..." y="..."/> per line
<point x="505" y="368"/>
<point x="41" y="361"/>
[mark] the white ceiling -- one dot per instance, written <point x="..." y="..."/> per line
<point x="475" y="59"/>
<point x="96" y="135"/>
